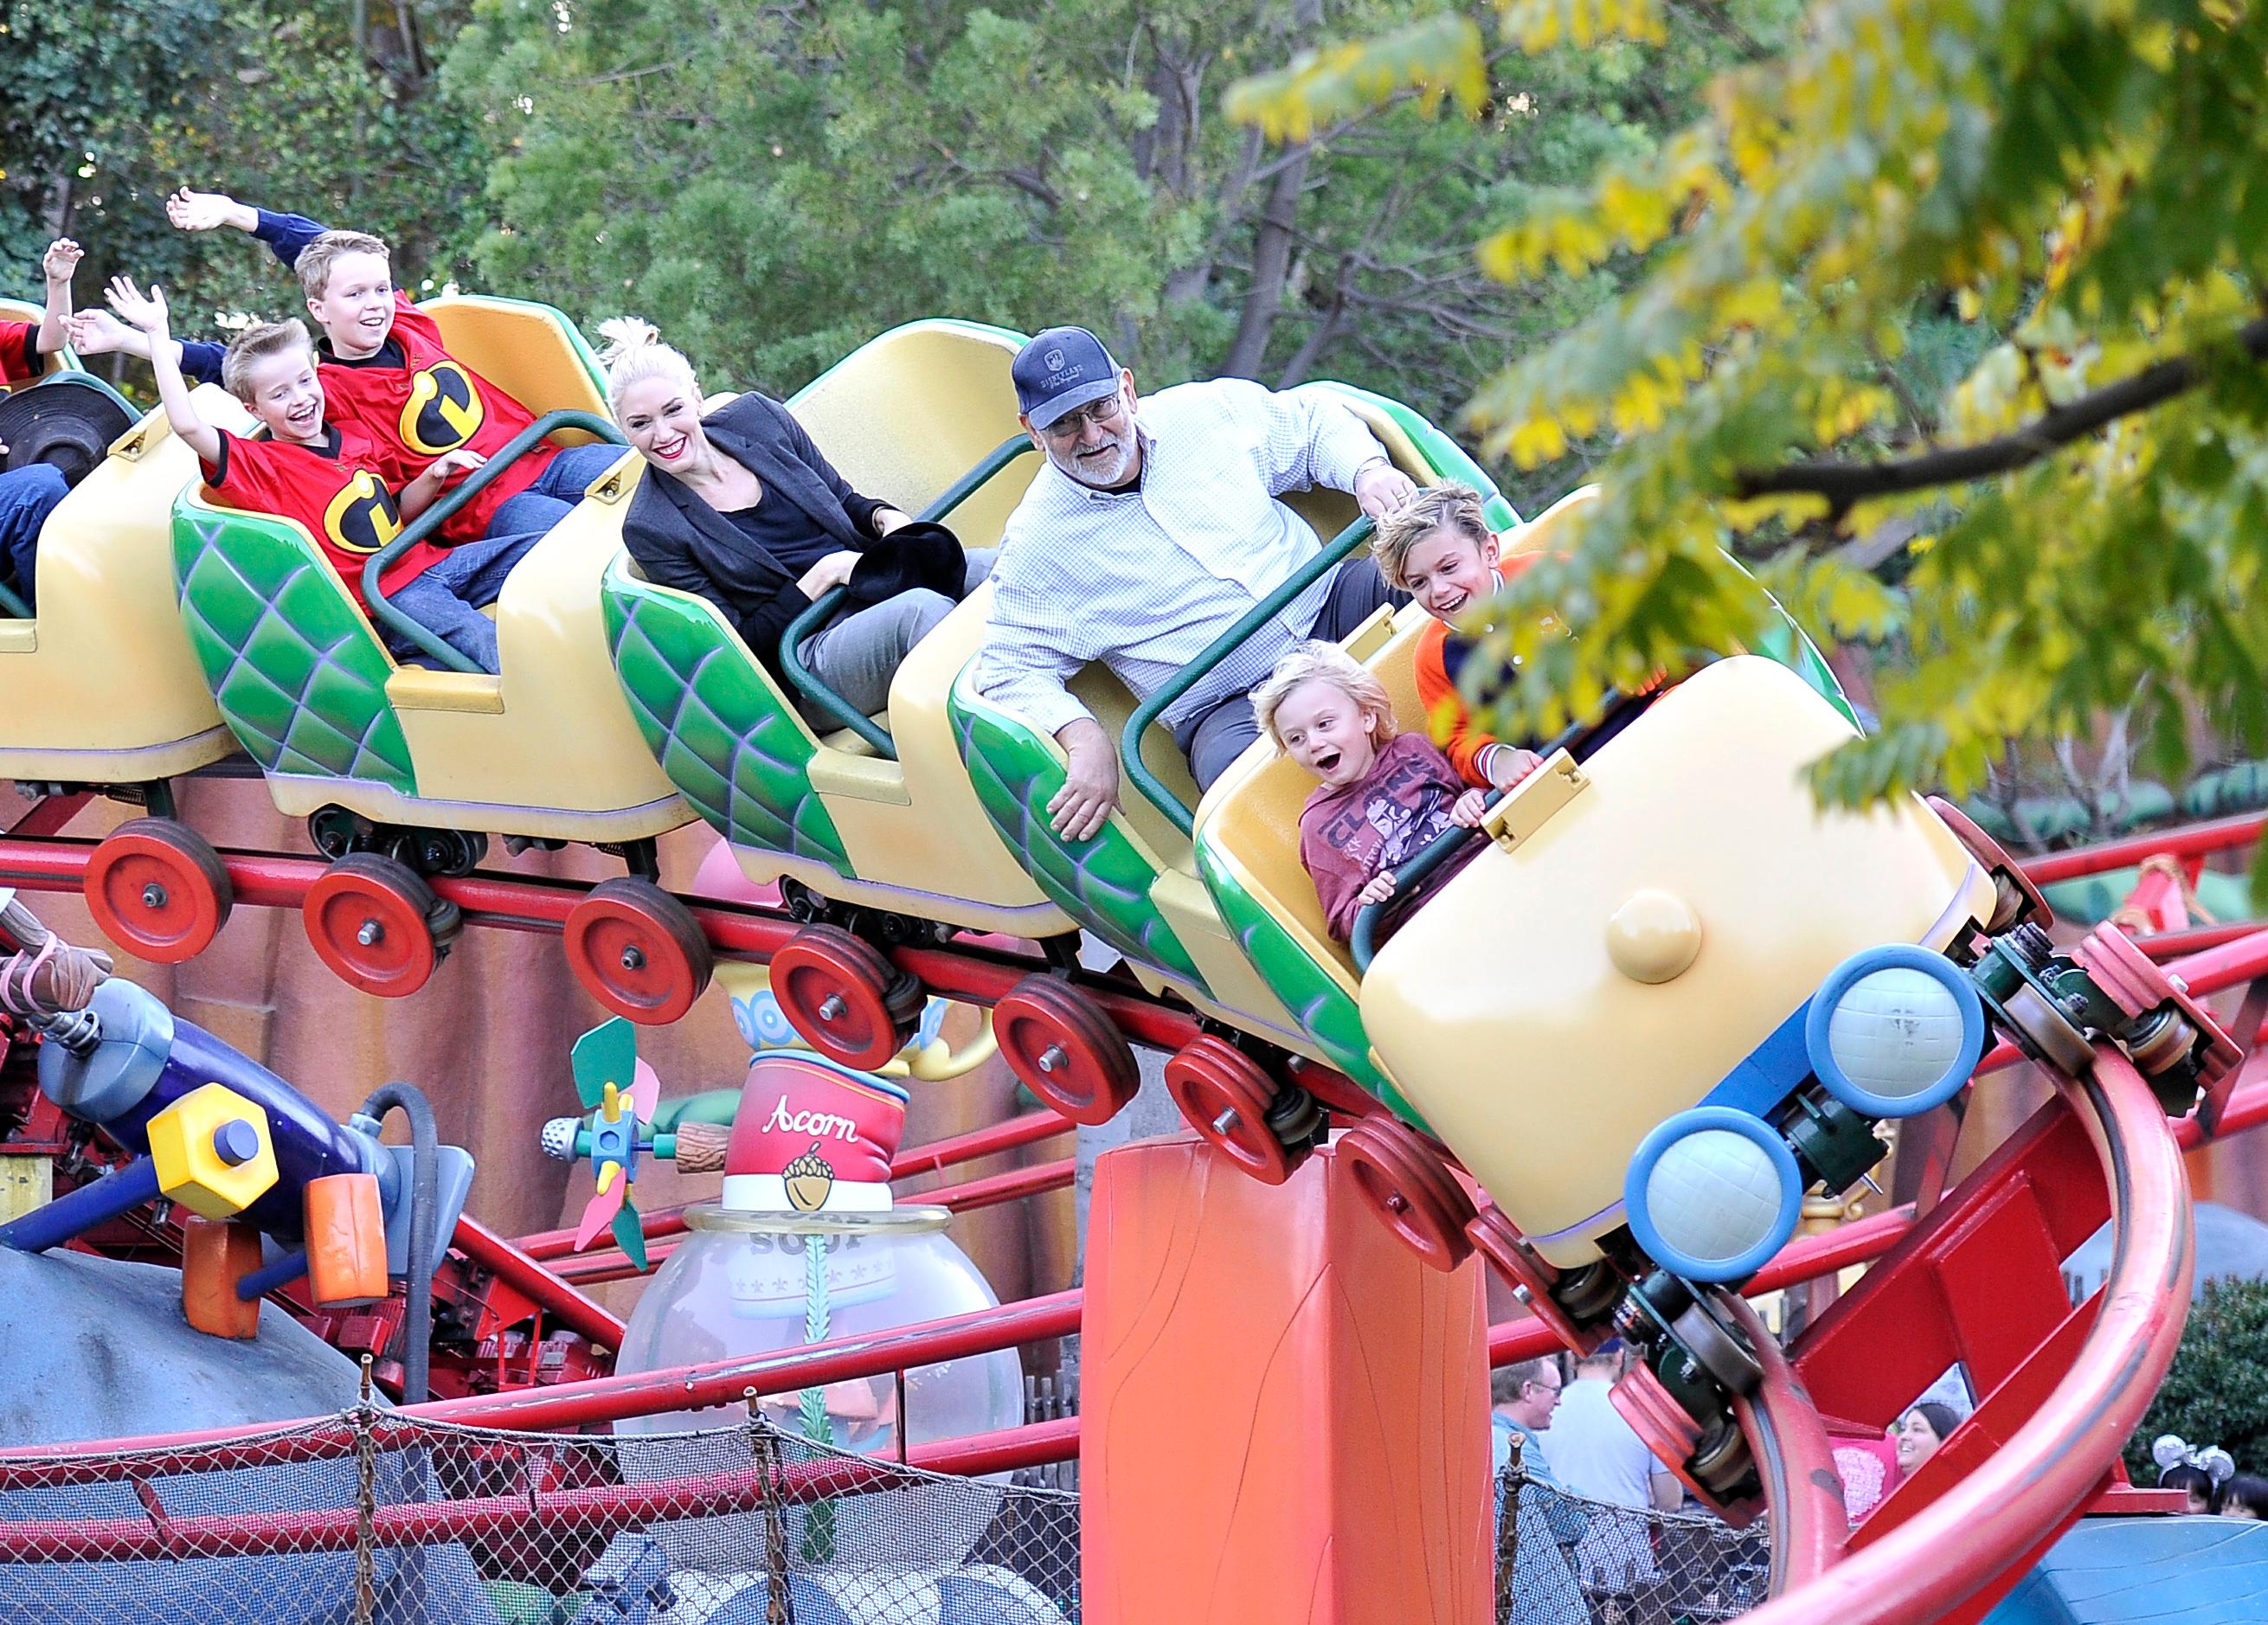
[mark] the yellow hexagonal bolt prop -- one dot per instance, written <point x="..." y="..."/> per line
<point x="212" y="1152"/>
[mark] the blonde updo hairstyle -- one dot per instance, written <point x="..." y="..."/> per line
<point x="634" y="353"/>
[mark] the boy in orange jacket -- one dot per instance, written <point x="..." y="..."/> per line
<point x="1438" y="547"/>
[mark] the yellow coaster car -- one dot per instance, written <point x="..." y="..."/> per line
<point x="403" y="772"/>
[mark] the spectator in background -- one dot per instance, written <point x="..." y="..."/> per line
<point x="2245" y="1496"/>
<point x="2201" y="1472"/>
<point x="1594" y="1453"/>
<point x="1921" y="1431"/>
<point x="1522" y="1398"/>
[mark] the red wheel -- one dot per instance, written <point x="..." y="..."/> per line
<point x="156" y="889"/>
<point x="1404" y="1183"/>
<point x="1064" y="1050"/>
<point x="1496" y="1238"/>
<point x="843" y="995"/>
<point x="1712" y="1461"/>
<point x="638" y="951"/>
<point x="1225" y="1096"/>
<point x="371" y="921"/>
<point x="2019" y="899"/>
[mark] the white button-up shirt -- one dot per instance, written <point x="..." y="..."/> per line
<point x="1143" y="580"/>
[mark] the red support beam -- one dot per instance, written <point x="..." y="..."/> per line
<point x="2214" y="836"/>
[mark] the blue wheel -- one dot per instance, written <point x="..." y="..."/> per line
<point x="1895" y="1031"/>
<point x="1712" y="1193"/>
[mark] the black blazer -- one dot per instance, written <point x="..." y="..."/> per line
<point x="680" y="540"/>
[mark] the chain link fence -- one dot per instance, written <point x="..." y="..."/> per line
<point x="1562" y="1560"/>
<point x="371" y="1519"/>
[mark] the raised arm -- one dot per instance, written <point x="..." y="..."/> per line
<point x="1309" y="438"/>
<point x="98" y="333"/>
<point x="146" y="311"/>
<point x="60" y="263"/>
<point x="208" y="211"/>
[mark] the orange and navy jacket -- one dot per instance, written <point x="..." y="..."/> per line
<point x="1440" y="656"/>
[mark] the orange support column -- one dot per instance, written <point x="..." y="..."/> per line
<point x="1282" y="1411"/>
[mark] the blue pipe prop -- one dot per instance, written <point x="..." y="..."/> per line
<point x="142" y="1058"/>
<point x="76" y="1212"/>
<point x="268" y="1278"/>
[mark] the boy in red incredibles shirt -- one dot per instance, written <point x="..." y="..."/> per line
<point x="384" y="365"/>
<point x="332" y="478"/>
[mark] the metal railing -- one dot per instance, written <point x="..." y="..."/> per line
<point x="425" y="524"/>
<point x="1161" y="795"/>
<point x="808" y="682"/>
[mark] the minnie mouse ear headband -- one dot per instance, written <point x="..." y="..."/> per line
<point x="2170" y="1451"/>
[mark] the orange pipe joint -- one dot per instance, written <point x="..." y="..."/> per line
<point x="345" y="1239"/>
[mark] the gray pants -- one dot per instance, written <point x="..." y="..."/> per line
<point x="858" y="654"/>
<point x="1213" y="739"/>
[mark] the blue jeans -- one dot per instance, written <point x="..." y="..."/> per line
<point x="27" y="495"/>
<point x="446" y="598"/>
<point x="556" y="491"/>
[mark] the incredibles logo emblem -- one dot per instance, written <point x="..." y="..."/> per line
<point x="442" y="412"/>
<point x="361" y="517"/>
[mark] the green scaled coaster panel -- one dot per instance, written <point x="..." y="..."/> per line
<point x="1102" y="882"/>
<point x="1317" y="1002"/>
<point x="297" y="673"/>
<point x="718" y="728"/>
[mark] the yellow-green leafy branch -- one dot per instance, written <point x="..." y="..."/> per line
<point x="1844" y="484"/>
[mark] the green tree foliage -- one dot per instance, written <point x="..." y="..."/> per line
<point x="329" y="110"/>
<point x="775" y="185"/>
<point x="2217" y="1392"/>
<point x="2078" y="182"/>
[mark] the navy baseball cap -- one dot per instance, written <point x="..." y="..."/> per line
<point x="1059" y="370"/>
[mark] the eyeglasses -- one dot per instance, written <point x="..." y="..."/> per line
<point x="1073" y="424"/>
<point x="1547" y="1387"/>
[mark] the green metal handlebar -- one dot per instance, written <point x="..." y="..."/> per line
<point x="431" y="520"/>
<point x="808" y="682"/>
<point x="1130" y="743"/>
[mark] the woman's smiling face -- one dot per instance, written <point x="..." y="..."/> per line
<point x="662" y="418"/>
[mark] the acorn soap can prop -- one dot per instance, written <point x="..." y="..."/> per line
<point x="805" y="1245"/>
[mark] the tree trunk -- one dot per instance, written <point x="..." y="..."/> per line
<point x="1271" y="242"/>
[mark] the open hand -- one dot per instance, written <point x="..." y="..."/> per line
<point x="464" y="459"/>
<point x="146" y="311"/>
<point x="202" y="211"/>
<point x="829" y="573"/>
<point x="1381" y="488"/>
<point x="1467" y="809"/>
<point x="61" y="260"/>
<point x="96" y="333"/>
<point x="1380" y="888"/>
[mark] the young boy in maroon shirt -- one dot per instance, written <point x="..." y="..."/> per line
<point x="334" y="479"/>
<point x="1383" y="795"/>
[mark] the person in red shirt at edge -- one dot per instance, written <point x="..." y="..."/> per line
<point x="29" y="494"/>
<point x="330" y="477"/>
<point x="384" y="365"/>
<point x="1382" y="797"/>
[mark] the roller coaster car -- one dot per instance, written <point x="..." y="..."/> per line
<point x="102" y="689"/>
<point x="872" y="827"/>
<point x="403" y="772"/>
<point x="1143" y="886"/>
